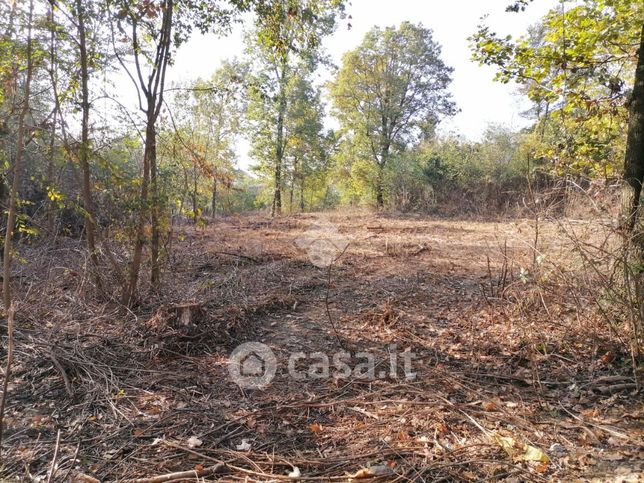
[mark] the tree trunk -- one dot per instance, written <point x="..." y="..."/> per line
<point x="155" y="276"/>
<point x="213" y="204"/>
<point x="380" y="198"/>
<point x="153" y="90"/>
<point x="52" y="141"/>
<point x="279" y="153"/>
<point x="17" y="172"/>
<point x="632" y="200"/>
<point x="634" y="159"/>
<point x="139" y="242"/>
<point x="279" y="142"/>
<point x="380" y="179"/>
<point x="194" y="196"/>
<point x="90" y="221"/>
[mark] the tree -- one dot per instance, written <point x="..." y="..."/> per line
<point x="288" y="40"/>
<point x="154" y="22"/>
<point x="151" y="31"/>
<point x="304" y="150"/>
<point x="634" y="158"/>
<point x="578" y="66"/>
<point x="80" y="11"/>
<point x="206" y="120"/>
<point x="17" y="166"/>
<point x="305" y="140"/>
<point x="216" y="115"/>
<point x="575" y="66"/>
<point x="632" y="204"/>
<point x="390" y="92"/>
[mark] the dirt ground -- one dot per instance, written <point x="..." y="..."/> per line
<point x="507" y="387"/>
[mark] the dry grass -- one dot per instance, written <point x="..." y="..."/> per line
<point x="519" y="359"/>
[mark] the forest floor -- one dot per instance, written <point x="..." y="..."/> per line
<point x="510" y="383"/>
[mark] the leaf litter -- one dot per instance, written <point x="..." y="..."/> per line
<point x="152" y="402"/>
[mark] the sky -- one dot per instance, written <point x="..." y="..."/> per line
<point x="481" y="100"/>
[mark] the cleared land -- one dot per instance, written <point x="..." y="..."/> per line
<point x="504" y="372"/>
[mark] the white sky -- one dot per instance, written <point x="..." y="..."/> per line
<point x="481" y="100"/>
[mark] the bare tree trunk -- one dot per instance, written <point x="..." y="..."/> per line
<point x="155" y="273"/>
<point x="195" y="206"/>
<point x="213" y="205"/>
<point x="380" y="178"/>
<point x="90" y="220"/>
<point x="139" y="242"/>
<point x="17" y="172"/>
<point x="153" y="90"/>
<point x="634" y="159"/>
<point x="52" y="142"/>
<point x="279" y="142"/>
<point x="380" y="198"/>
<point x="633" y="223"/>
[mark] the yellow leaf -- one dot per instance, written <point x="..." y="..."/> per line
<point x="363" y="473"/>
<point x="508" y="444"/>
<point x="533" y="454"/>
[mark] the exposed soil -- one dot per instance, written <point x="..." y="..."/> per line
<point x="508" y="385"/>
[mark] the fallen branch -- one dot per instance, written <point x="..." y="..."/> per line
<point x="179" y="475"/>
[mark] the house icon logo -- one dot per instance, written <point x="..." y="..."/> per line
<point x="323" y="243"/>
<point x="252" y="365"/>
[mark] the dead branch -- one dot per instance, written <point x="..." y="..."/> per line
<point x="180" y="475"/>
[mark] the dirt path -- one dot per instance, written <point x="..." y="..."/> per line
<point x="484" y="395"/>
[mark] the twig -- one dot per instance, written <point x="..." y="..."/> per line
<point x="598" y="426"/>
<point x="180" y="475"/>
<point x="54" y="459"/>
<point x="326" y="297"/>
<point x="7" y="373"/>
<point x="71" y="466"/>
<point x="61" y="369"/>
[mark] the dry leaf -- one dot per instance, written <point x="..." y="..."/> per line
<point x="316" y="428"/>
<point x="83" y="478"/>
<point x="362" y="474"/>
<point x="199" y="468"/>
<point x="371" y="472"/>
<point x="194" y="442"/>
<point x="403" y="436"/>
<point x="542" y="467"/>
<point x="244" y="445"/>
<point x="295" y="473"/>
<point x="590" y="413"/>
<point x="519" y="451"/>
<point x="489" y="406"/>
<point x="531" y="453"/>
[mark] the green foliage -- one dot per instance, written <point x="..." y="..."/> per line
<point x="575" y="66"/>
<point x="197" y="147"/>
<point x="390" y="93"/>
